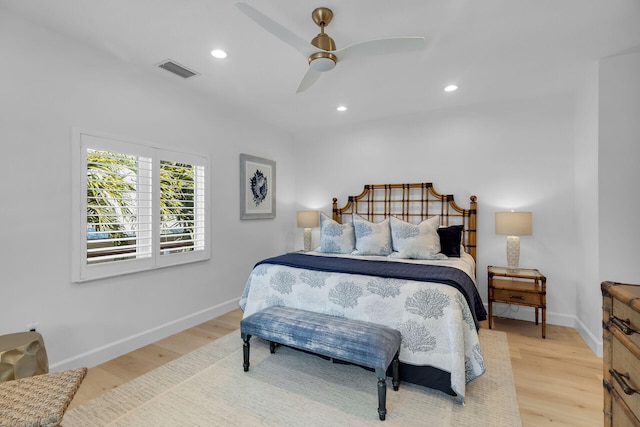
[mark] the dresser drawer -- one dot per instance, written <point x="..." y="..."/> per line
<point x="626" y="364"/>
<point x="516" y="297"/>
<point x="627" y="320"/>
<point x="619" y="417"/>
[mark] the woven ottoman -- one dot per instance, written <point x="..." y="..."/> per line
<point x="39" y="401"/>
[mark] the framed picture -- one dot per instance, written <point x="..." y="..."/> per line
<point x="257" y="187"/>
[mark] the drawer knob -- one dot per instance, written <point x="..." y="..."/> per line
<point x="620" y="378"/>
<point x="623" y="325"/>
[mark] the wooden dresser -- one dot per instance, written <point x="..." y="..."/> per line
<point x="621" y="345"/>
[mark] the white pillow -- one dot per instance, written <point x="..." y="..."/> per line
<point x="335" y="238"/>
<point x="372" y="238"/>
<point x="416" y="241"/>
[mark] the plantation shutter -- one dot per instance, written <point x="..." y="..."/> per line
<point x="119" y="192"/>
<point x="182" y="219"/>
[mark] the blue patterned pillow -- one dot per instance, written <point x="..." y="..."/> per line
<point x="372" y="238"/>
<point x="335" y="238"/>
<point x="416" y="241"/>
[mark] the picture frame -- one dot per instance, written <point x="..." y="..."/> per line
<point x="257" y="187"/>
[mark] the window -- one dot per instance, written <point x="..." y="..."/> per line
<point x="136" y="207"/>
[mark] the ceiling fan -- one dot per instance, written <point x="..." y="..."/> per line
<point x="321" y="52"/>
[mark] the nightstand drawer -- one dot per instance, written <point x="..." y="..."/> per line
<point x="516" y="297"/>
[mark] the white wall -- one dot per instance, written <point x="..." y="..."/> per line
<point x="619" y="173"/>
<point x="607" y="174"/>
<point x="50" y="83"/>
<point x="588" y="297"/>
<point x="512" y="155"/>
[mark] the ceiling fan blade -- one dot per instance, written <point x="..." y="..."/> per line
<point x="380" y="47"/>
<point x="310" y="77"/>
<point x="284" y="34"/>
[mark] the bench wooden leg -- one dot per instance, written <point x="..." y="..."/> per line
<point x="245" y="351"/>
<point x="382" y="398"/>
<point x="395" y="366"/>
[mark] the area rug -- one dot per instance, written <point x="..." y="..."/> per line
<point x="208" y="387"/>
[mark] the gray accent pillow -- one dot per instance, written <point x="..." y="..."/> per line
<point x="335" y="238"/>
<point x="372" y="238"/>
<point x="416" y="241"/>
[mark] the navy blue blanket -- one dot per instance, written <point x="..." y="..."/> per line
<point x="397" y="270"/>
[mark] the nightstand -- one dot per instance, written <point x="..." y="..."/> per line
<point x="520" y="286"/>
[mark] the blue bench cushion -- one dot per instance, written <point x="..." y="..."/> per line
<point x="354" y="341"/>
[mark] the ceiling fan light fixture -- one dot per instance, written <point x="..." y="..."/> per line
<point x="322" y="61"/>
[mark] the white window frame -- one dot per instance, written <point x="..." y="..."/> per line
<point x="84" y="139"/>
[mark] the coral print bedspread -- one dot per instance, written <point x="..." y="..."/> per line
<point x="437" y="319"/>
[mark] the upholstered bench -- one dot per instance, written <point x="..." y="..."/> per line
<point x="361" y="343"/>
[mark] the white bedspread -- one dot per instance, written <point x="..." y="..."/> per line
<point x="434" y="319"/>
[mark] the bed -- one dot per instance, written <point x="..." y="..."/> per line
<point x="417" y="277"/>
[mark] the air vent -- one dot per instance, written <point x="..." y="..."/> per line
<point x="177" y="69"/>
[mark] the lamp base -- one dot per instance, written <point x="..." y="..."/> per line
<point x="307" y="239"/>
<point x="513" y="252"/>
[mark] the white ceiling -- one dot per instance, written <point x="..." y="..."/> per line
<point x="492" y="49"/>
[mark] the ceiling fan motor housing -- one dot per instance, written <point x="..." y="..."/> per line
<point x="324" y="42"/>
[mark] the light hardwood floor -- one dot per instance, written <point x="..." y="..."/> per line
<point x="558" y="379"/>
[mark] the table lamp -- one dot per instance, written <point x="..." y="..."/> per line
<point x="308" y="220"/>
<point x="513" y="225"/>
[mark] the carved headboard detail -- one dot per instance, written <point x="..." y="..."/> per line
<point x="412" y="203"/>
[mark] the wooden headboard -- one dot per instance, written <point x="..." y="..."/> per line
<point x="412" y="203"/>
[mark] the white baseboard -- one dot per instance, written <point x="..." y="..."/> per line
<point x="594" y="343"/>
<point x="117" y="348"/>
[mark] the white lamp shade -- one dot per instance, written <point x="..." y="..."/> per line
<point x="514" y="223"/>
<point x="308" y="219"/>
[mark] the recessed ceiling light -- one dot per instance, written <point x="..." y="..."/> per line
<point x="218" y="53"/>
<point x="451" y="88"/>
<point x="342" y="108"/>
